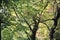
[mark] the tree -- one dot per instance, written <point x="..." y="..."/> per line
<point x="30" y="13"/>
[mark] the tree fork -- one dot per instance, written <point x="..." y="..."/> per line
<point x="34" y="30"/>
<point x="33" y="36"/>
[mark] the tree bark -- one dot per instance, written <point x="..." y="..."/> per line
<point x="0" y="28"/>
<point x="33" y="36"/>
<point x="52" y="31"/>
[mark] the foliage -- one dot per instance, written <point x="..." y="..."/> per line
<point x="18" y="15"/>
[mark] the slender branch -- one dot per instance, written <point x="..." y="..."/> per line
<point x="43" y="10"/>
<point x="16" y="12"/>
<point x="26" y="32"/>
<point x="45" y="6"/>
<point x="27" y="35"/>
<point x="28" y="24"/>
<point x="47" y="26"/>
<point x="23" y="18"/>
<point x="47" y="20"/>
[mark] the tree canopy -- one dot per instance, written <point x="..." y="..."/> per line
<point x="30" y="19"/>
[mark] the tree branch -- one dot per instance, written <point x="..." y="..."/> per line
<point x="34" y="19"/>
<point x="43" y="10"/>
<point x="28" y="24"/>
<point x="47" y="26"/>
<point x="47" y="20"/>
<point x="45" y="6"/>
<point x="26" y="32"/>
<point x="23" y="18"/>
<point x="27" y="35"/>
<point x="16" y="12"/>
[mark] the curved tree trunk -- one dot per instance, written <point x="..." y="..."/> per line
<point x="33" y="36"/>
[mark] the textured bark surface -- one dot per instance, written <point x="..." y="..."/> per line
<point x="33" y="36"/>
<point x="52" y="31"/>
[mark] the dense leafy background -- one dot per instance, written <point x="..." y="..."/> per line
<point x="15" y="12"/>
